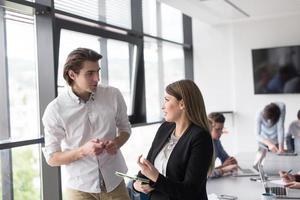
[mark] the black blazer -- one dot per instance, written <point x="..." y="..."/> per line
<point x="187" y="166"/>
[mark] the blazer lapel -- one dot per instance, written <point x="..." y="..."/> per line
<point x="161" y="143"/>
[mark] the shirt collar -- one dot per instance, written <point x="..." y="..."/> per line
<point x="77" y="99"/>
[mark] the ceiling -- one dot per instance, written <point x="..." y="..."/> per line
<point x="229" y="11"/>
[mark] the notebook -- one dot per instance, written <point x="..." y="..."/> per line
<point x="280" y="192"/>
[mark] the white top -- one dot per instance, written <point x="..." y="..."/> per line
<point x="294" y="130"/>
<point x="266" y="130"/>
<point x="162" y="158"/>
<point x="70" y="122"/>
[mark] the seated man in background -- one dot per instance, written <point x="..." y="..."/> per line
<point x="229" y="164"/>
<point x="291" y="180"/>
<point x="293" y="134"/>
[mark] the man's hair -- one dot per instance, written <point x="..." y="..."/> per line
<point x="216" y="117"/>
<point x="75" y="61"/>
<point x="271" y="112"/>
<point x="298" y="115"/>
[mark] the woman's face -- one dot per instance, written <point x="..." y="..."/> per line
<point x="172" y="108"/>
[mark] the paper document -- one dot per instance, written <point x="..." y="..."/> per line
<point x="278" y="182"/>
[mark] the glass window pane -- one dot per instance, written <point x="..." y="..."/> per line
<point x="173" y="62"/>
<point x="115" y="12"/>
<point x="153" y="81"/>
<point x="22" y="77"/>
<point x="171" y="23"/>
<point x="26" y="173"/>
<point x="149" y="17"/>
<point x="164" y="64"/>
<point x="119" y="68"/>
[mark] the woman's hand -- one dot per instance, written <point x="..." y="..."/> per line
<point x="147" y="169"/>
<point x="286" y="177"/>
<point x="141" y="187"/>
<point x="293" y="185"/>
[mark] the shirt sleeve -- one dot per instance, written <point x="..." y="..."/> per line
<point x="280" y="123"/>
<point x="258" y="121"/>
<point x="54" y="132"/>
<point x="122" y="121"/>
<point x="216" y="173"/>
<point x="220" y="151"/>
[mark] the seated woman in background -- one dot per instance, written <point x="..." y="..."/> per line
<point x="229" y="163"/>
<point x="181" y="153"/>
<point x="270" y="130"/>
<point x="293" y="134"/>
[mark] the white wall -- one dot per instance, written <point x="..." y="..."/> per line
<point x="223" y="70"/>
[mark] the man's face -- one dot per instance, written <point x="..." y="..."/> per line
<point x="217" y="130"/>
<point x="87" y="79"/>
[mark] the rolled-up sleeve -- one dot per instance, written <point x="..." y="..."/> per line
<point x="122" y="121"/>
<point x="53" y="131"/>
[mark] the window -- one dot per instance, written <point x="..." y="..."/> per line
<point x="22" y="76"/>
<point x="164" y="64"/>
<point x="162" y="20"/>
<point x="115" y="12"/>
<point x="20" y="175"/>
<point x="120" y="68"/>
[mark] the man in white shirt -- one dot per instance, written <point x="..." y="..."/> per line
<point x="85" y="126"/>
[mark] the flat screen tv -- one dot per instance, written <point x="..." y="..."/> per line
<point x="276" y="70"/>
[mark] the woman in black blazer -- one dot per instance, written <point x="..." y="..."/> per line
<point x="181" y="153"/>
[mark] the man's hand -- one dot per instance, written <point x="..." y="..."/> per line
<point x="272" y="147"/>
<point x="229" y="161"/>
<point x="229" y="168"/>
<point x="111" y="146"/>
<point x="93" y="147"/>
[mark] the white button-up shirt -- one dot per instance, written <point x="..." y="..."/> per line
<point x="69" y="123"/>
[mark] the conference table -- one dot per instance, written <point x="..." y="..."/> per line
<point x="245" y="189"/>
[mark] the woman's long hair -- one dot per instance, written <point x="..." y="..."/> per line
<point x="189" y="92"/>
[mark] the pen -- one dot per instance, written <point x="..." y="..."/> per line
<point x="289" y="171"/>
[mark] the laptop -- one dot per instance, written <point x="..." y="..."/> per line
<point x="274" y="163"/>
<point x="280" y="192"/>
<point x="245" y="172"/>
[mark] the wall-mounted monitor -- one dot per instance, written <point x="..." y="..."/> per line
<point x="276" y="70"/>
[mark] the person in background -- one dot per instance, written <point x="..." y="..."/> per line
<point x="181" y="154"/>
<point x="270" y="131"/>
<point x="291" y="180"/>
<point x="293" y="134"/>
<point x="85" y="126"/>
<point x="229" y="163"/>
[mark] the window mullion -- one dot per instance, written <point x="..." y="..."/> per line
<point x="5" y="156"/>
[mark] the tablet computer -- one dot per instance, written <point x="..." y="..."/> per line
<point x="136" y="178"/>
